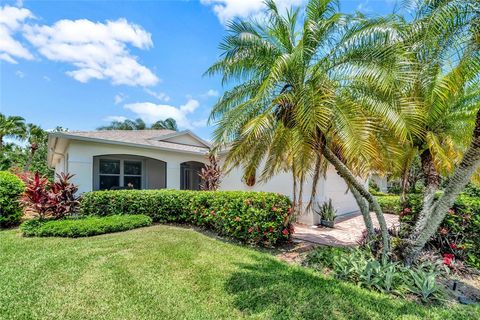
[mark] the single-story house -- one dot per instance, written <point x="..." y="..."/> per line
<point x="157" y="159"/>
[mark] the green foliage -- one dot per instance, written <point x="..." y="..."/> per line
<point x="254" y="217"/>
<point x="360" y="267"/>
<point x="389" y="204"/>
<point x="84" y="226"/>
<point x="324" y="258"/>
<point x="11" y="188"/>
<point x="326" y="211"/>
<point x="459" y="232"/>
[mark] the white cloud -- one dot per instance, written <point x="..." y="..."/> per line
<point x="97" y="50"/>
<point x="229" y="9"/>
<point x="211" y="93"/>
<point x="162" y="96"/>
<point x="11" y="21"/>
<point x="119" y="98"/>
<point x="115" y="118"/>
<point x="47" y="78"/>
<point x="151" y="112"/>
<point x="20" y="74"/>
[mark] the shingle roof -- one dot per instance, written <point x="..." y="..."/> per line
<point x="150" y="138"/>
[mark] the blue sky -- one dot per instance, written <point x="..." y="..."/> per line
<point x="79" y="64"/>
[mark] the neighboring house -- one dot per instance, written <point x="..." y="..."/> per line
<point x="157" y="159"/>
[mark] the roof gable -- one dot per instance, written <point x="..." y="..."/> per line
<point x="184" y="137"/>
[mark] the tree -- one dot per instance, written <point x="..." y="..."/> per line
<point x="12" y="127"/>
<point x="168" y="124"/>
<point x="445" y="42"/>
<point x="139" y="124"/>
<point x="321" y="89"/>
<point x="35" y="136"/>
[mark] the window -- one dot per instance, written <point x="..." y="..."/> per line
<point x="119" y="174"/>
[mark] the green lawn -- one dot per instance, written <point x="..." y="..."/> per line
<point x="165" y="272"/>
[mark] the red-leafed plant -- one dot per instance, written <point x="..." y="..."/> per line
<point x="63" y="195"/>
<point x="49" y="199"/>
<point x="36" y="196"/>
<point x="210" y="174"/>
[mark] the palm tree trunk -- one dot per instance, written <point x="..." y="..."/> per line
<point x="365" y="210"/>
<point x="1" y="142"/>
<point x="432" y="182"/>
<point x="345" y="173"/>
<point x="460" y="178"/>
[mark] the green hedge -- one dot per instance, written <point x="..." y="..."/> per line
<point x="83" y="227"/>
<point x="11" y="188"/>
<point x="389" y="204"/>
<point x="254" y="217"/>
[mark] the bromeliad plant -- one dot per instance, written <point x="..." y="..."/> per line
<point x="49" y="199"/>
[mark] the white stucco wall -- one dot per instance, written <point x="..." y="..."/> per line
<point x="80" y="162"/>
<point x="81" y="155"/>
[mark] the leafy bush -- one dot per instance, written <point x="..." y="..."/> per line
<point x="254" y="217"/>
<point x="389" y="204"/>
<point x="11" y="188"/>
<point x="326" y="211"/>
<point x="360" y="267"/>
<point x="83" y="227"/>
<point x="50" y="199"/>
<point x="459" y="233"/>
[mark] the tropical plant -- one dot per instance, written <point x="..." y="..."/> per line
<point x="11" y="126"/>
<point x="63" y="194"/>
<point x="310" y="90"/>
<point x="36" y="197"/>
<point x="168" y="124"/>
<point x="210" y="174"/>
<point x="326" y="211"/>
<point x="49" y="199"/>
<point x="35" y="136"/>
<point x="444" y="42"/>
<point x="139" y="124"/>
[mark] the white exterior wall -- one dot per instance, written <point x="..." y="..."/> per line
<point x="81" y="155"/>
<point x="80" y="162"/>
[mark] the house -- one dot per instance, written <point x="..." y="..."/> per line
<point x="157" y="159"/>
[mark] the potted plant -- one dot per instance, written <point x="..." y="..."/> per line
<point x="327" y="214"/>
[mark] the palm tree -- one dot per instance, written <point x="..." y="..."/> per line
<point x="167" y="124"/>
<point x="139" y="124"/>
<point x="312" y="91"/>
<point x="445" y="43"/>
<point x="11" y="126"/>
<point x="35" y="136"/>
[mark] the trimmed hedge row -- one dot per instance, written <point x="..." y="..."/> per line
<point x="83" y="227"/>
<point x="11" y="188"/>
<point x="254" y="217"/>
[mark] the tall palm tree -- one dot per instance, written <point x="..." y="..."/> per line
<point x="34" y="136"/>
<point x="11" y="126"/>
<point x="139" y="124"/>
<point x="167" y="124"/>
<point x="321" y="87"/>
<point x="445" y="42"/>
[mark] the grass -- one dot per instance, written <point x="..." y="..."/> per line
<point x="166" y="272"/>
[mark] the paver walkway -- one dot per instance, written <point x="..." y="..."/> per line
<point x="347" y="232"/>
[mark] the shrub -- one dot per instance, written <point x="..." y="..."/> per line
<point x="83" y="227"/>
<point x="254" y="217"/>
<point x="50" y="199"/>
<point x="389" y="204"/>
<point x="11" y="188"/>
